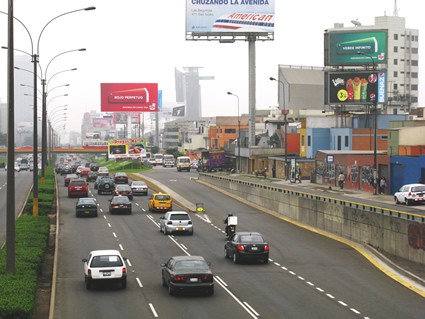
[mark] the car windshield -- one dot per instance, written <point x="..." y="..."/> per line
<point x="106" y="261"/>
<point x="179" y="217"/>
<point x="251" y="239"/>
<point x="184" y="160"/>
<point x="162" y="197"/>
<point x="191" y="265"/>
<point x="417" y="189"/>
<point x="77" y="183"/>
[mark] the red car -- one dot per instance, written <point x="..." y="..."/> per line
<point x="78" y="188"/>
<point x="84" y="172"/>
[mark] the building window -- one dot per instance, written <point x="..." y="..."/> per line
<point x="395" y="74"/>
<point x="414" y="87"/>
<point x="395" y="49"/>
<point x="414" y="75"/>
<point x="414" y="62"/>
<point x="309" y="140"/>
<point x="302" y="140"/>
<point x="395" y="36"/>
<point x="346" y="141"/>
<point x="395" y="62"/>
<point x="230" y="131"/>
<point x="415" y="50"/>
<point x="395" y="86"/>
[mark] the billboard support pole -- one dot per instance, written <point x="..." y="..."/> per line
<point x="252" y="95"/>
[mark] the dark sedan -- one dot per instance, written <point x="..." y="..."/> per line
<point x="187" y="273"/>
<point x="86" y="206"/>
<point x="123" y="190"/>
<point x="68" y="177"/>
<point x="247" y="246"/>
<point x="120" y="178"/>
<point x="120" y="204"/>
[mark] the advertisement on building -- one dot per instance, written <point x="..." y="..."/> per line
<point x="355" y="88"/>
<point x="355" y="48"/>
<point x="121" y="118"/>
<point x="133" y="148"/>
<point x="178" y="111"/>
<point x="229" y="16"/>
<point x="129" y="97"/>
<point x="102" y="122"/>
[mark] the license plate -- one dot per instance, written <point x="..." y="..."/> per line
<point x="180" y="228"/>
<point x="193" y="279"/>
<point x="87" y="212"/>
<point x="106" y="273"/>
<point x="254" y="248"/>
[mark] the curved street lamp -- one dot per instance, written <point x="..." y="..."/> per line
<point x="239" y="134"/>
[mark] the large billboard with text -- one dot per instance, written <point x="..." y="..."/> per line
<point x="126" y="148"/>
<point x="129" y="97"/>
<point x="229" y="16"/>
<point x="355" y="47"/>
<point x="355" y="88"/>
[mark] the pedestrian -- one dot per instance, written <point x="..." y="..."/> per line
<point x="341" y="180"/>
<point x="382" y="185"/>
<point x="299" y="174"/>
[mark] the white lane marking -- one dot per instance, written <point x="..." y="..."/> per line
<point x="129" y="263"/>
<point x="310" y="283"/>
<point x="153" y="310"/>
<point x="342" y="303"/>
<point x="121" y="247"/>
<point x="221" y="280"/>
<point x="330" y="296"/>
<point x="184" y="246"/>
<point x="137" y="204"/>
<point x="300" y="278"/>
<point x="205" y="218"/>
<point x="179" y="245"/>
<point x="144" y="209"/>
<point x="292" y="273"/>
<point x="277" y="264"/>
<point x="139" y="282"/>
<point x="250" y="308"/>
<point x="319" y="289"/>
<point x="104" y="217"/>
<point x="101" y="210"/>
<point x="109" y="225"/>
<point x="115" y="235"/>
<point x="355" y="311"/>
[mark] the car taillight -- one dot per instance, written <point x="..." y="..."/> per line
<point x="89" y="272"/>
<point x="178" y="278"/>
<point x="124" y="270"/>
<point x="189" y="222"/>
<point x="240" y="247"/>
<point x="410" y="194"/>
<point x="207" y="278"/>
<point x="266" y="247"/>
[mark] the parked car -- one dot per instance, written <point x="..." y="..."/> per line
<point x="68" y="177"/>
<point x="106" y="266"/>
<point x="105" y="185"/>
<point x="123" y="190"/>
<point x="86" y="206"/>
<point x="139" y="187"/>
<point x="78" y="188"/>
<point x="176" y="222"/>
<point x="121" y="178"/>
<point x="187" y="273"/>
<point x="120" y="204"/>
<point x="410" y="194"/>
<point x="247" y="246"/>
<point x="160" y="202"/>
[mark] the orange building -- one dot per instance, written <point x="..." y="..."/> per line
<point x="362" y="139"/>
<point x="225" y="131"/>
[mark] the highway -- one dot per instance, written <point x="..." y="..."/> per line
<point x="308" y="276"/>
<point x="23" y="183"/>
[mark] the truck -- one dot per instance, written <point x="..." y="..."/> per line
<point x="213" y="161"/>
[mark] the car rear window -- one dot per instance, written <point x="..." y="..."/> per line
<point x="106" y="261"/>
<point x="87" y="201"/>
<point x="162" y="197"/>
<point x="179" y="217"/>
<point x="191" y="264"/>
<point x="251" y="239"/>
<point x="120" y="200"/>
<point x="418" y="189"/>
<point x="77" y="183"/>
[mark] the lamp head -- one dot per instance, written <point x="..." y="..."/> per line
<point x="272" y="79"/>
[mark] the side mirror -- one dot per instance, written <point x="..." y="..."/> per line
<point x="84" y="260"/>
<point x="162" y="217"/>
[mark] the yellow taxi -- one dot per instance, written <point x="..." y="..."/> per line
<point x="160" y="202"/>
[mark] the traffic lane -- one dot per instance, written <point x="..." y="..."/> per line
<point x="23" y="184"/>
<point x="304" y="250"/>
<point x="78" y="236"/>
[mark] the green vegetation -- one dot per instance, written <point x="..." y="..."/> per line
<point x="128" y="166"/>
<point x="18" y="291"/>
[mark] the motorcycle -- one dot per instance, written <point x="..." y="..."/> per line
<point x="231" y="222"/>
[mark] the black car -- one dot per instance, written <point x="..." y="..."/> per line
<point x="94" y="167"/>
<point x="187" y="273"/>
<point x="247" y="246"/>
<point x="123" y="190"/>
<point x="86" y="206"/>
<point x="105" y="185"/>
<point x="66" y="170"/>
<point x="121" y="178"/>
<point x="120" y="204"/>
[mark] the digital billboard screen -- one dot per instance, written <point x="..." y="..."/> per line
<point x="355" y="48"/>
<point x="229" y="16"/>
<point x="356" y="88"/>
<point x="129" y="97"/>
<point x="127" y="148"/>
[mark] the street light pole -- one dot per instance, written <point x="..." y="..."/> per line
<point x="285" y="122"/>
<point x="375" y="130"/>
<point x="239" y="134"/>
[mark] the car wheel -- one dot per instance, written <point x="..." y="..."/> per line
<point x="170" y="289"/>
<point x="266" y="260"/>
<point x="235" y="258"/>
<point x="210" y="291"/>
<point x="165" y="230"/>
<point x="98" y="192"/>
<point x="226" y="255"/>
<point x="396" y="200"/>
<point x="191" y="233"/>
<point x="88" y="283"/>
<point x="164" y="283"/>
<point x="407" y="202"/>
<point x="124" y="283"/>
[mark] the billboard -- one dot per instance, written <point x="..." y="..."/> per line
<point x="129" y="97"/>
<point x="229" y="16"/>
<point x="121" y="118"/>
<point x="102" y="122"/>
<point x="126" y="148"/>
<point x="342" y="48"/>
<point x="356" y="88"/>
<point x="178" y="111"/>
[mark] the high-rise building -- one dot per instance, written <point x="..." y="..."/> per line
<point x="188" y="91"/>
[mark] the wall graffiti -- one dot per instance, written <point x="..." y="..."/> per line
<point x="367" y="175"/>
<point x="416" y="236"/>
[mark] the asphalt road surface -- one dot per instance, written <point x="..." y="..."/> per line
<point x="308" y="276"/>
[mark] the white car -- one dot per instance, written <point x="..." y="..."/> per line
<point x="103" y="171"/>
<point x="139" y="187"/>
<point x="176" y="222"/>
<point x="105" y="266"/>
<point x="410" y="193"/>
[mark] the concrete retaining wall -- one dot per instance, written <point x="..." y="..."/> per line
<point x="402" y="235"/>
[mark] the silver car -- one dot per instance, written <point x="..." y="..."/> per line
<point x="139" y="187"/>
<point x="176" y="222"/>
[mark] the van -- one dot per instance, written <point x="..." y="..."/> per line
<point x="168" y="160"/>
<point x="158" y="158"/>
<point x="183" y="163"/>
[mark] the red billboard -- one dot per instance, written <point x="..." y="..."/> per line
<point x="129" y="97"/>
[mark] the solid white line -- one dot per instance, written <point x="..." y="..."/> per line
<point x="122" y="248"/>
<point x="250" y="308"/>
<point x="139" y="282"/>
<point x="184" y="246"/>
<point x="221" y="280"/>
<point x="153" y="310"/>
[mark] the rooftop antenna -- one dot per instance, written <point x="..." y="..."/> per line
<point x="395" y="14"/>
<point x="356" y="22"/>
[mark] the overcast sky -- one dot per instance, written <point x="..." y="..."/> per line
<point x="142" y="41"/>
